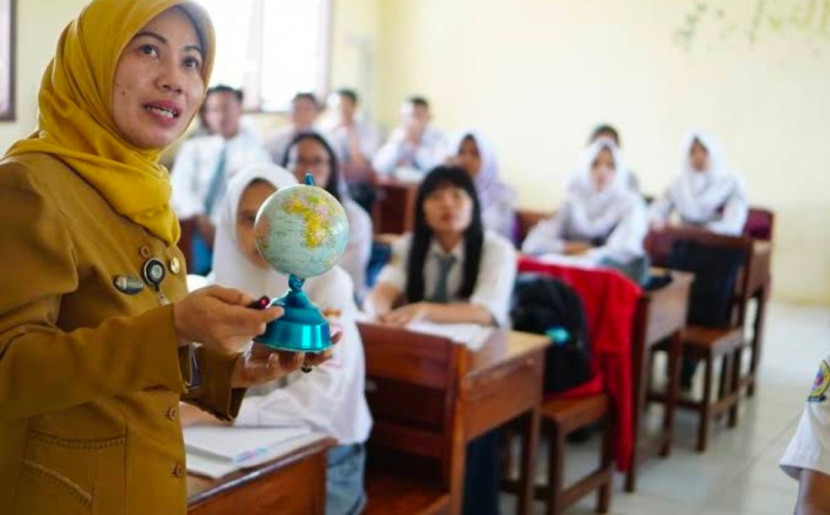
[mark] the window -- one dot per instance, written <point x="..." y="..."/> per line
<point x="271" y="48"/>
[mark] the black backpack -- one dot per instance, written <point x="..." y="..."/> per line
<point x="545" y="305"/>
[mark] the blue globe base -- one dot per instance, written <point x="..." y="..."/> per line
<point x="302" y="328"/>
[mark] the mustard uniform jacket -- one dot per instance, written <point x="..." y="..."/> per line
<point x="91" y="373"/>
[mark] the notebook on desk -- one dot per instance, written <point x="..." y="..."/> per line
<point x="471" y="335"/>
<point x="217" y="451"/>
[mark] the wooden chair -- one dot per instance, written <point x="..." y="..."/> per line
<point x="760" y="223"/>
<point x="416" y="448"/>
<point x="525" y="220"/>
<point x="185" y="243"/>
<point x="709" y="344"/>
<point x="560" y="418"/>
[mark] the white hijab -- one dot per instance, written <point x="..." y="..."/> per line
<point x="698" y="195"/>
<point x="230" y="266"/>
<point x="591" y="212"/>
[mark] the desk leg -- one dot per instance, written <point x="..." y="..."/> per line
<point x="757" y="337"/>
<point x="527" y="472"/>
<point x="675" y="353"/>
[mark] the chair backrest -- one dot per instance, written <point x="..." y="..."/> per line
<point x="412" y="387"/>
<point x="759" y="224"/>
<point x="659" y="245"/>
<point x="525" y="220"/>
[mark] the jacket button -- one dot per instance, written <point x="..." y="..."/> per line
<point x="178" y="470"/>
<point x="145" y="252"/>
<point x="172" y="413"/>
<point x="175" y="265"/>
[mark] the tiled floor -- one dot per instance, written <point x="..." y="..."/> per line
<point x="739" y="474"/>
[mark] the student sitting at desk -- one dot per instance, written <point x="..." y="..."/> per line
<point x="602" y="219"/>
<point x="450" y="270"/>
<point x="705" y="193"/>
<point x="475" y="153"/>
<point x="312" y="153"/>
<point x="331" y="398"/>
<point x="415" y="146"/>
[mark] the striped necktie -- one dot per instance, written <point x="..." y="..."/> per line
<point x="440" y="293"/>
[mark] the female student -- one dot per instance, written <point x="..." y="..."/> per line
<point x="450" y="270"/>
<point x="475" y="153"/>
<point x="331" y="398"/>
<point x="309" y="152"/>
<point x="704" y="193"/>
<point x="601" y="218"/>
<point x="95" y="318"/>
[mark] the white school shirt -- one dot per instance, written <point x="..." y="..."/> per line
<point x="359" y="249"/>
<point x="367" y="136"/>
<point x="331" y="398"/>
<point x="432" y="150"/>
<point x="276" y="144"/>
<point x="810" y="446"/>
<point x="494" y="284"/>
<point x="623" y="244"/>
<point x="196" y="163"/>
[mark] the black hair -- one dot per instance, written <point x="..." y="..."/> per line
<point x="606" y="129"/>
<point x="333" y="184"/>
<point x="422" y="234"/>
<point x="223" y="88"/>
<point x="305" y="95"/>
<point x="348" y="93"/>
<point x="418" y="101"/>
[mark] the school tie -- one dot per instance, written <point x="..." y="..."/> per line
<point x="218" y="182"/>
<point x="440" y="293"/>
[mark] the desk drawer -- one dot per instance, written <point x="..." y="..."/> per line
<point x="499" y="395"/>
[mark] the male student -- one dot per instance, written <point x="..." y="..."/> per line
<point x="807" y="458"/>
<point x="414" y="144"/>
<point x="304" y="111"/>
<point x="204" y="164"/>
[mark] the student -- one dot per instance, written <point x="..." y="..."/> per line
<point x="204" y="164"/>
<point x="414" y="145"/>
<point x="356" y="141"/>
<point x="329" y="400"/>
<point x="705" y="193"/>
<point x="304" y="111"/>
<point x="475" y="153"/>
<point x="601" y="218"/>
<point x="310" y="153"/>
<point x="609" y="132"/>
<point x="450" y="270"/>
<point x="807" y="458"/>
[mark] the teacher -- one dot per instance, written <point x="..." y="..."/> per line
<point x="96" y="323"/>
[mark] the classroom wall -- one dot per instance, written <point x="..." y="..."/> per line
<point x="536" y="75"/>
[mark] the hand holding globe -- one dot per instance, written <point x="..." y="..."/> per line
<point x="301" y="231"/>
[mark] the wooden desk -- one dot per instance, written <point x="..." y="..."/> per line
<point x="500" y="382"/>
<point x="759" y="288"/>
<point x="660" y="315"/>
<point x="503" y="382"/>
<point x="292" y="484"/>
<point x="393" y="212"/>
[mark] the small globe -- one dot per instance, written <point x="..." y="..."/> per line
<point x="301" y="230"/>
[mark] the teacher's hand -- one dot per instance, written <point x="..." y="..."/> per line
<point x="218" y="317"/>
<point x="260" y="364"/>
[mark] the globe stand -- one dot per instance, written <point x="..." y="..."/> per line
<point x="302" y="328"/>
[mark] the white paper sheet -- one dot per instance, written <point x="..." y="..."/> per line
<point x="471" y="335"/>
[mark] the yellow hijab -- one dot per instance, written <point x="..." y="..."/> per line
<point x="75" y="124"/>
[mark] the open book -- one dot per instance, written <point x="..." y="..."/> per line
<point x="472" y="335"/>
<point x="216" y="451"/>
